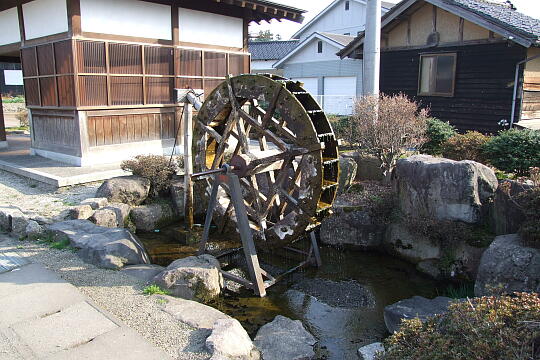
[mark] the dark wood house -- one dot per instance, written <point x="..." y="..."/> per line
<point x="99" y="75"/>
<point x="460" y="58"/>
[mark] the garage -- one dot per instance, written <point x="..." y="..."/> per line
<point x="311" y="84"/>
<point x="339" y="94"/>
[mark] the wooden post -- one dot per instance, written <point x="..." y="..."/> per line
<point x="3" y="140"/>
<point x="188" y="165"/>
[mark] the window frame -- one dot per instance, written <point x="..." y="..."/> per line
<point x="319" y="47"/>
<point x="434" y="78"/>
<point x="347" y="5"/>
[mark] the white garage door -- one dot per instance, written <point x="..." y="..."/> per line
<point x="311" y="84"/>
<point x="339" y="94"/>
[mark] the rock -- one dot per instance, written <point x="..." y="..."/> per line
<point x="81" y="212"/>
<point x="400" y="241"/>
<point x="41" y="220"/>
<point x="347" y="173"/>
<point x="352" y="228"/>
<point x="369" y="166"/>
<point x="153" y="216"/>
<point x="13" y="220"/>
<point x="145" y="272"/>
<point x="507" y="216"/>
<point x="104" y="247"/>
<point x="104" y="217"/>
<point x="192" y="313"/>
<point x="415" y="307"/>
<point x="368" y="352"/>
<point x="122" y="213"/>
<point x="284" y="338"/>
<point x="430" y="267"/>
<point x="230" y="341"/>
<point x="444" y="189"/>
<point x="33" y="229"/>
<point x="510" y="264"/>
<point x="132" y="190"/>
<point x="200" y="198"/>
<point x="192" y="278"/>
<point x="95" y="203"/>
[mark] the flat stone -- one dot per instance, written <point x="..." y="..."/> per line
<point x="229" y="340"/>
<point x="115" y="344"/>
<point x="192" y="313"/>
<point x="25" y="279"/>
<point x="10" y="261"/>
<point x="95" y="203"/>
<point x="81" y="212"/>
<point x="415" y="307"/>
<point x="68" y="328"/>
<point x="369" y="352"/>
<point x="284" y="338"/>
<point x="145" y="272"/>
<point x="151" y="217"/>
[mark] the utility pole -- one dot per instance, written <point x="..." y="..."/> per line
<point x="372" y="48"/>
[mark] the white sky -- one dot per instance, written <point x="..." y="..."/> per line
<point x="287" y="28"/>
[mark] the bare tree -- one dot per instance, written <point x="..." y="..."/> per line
<point x="386" y="126"/>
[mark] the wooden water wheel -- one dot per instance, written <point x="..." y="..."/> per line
<point x="281" y="145"/>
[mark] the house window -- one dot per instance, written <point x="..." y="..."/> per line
<point x="347" y="5"/>
<point x="437" y="74"/>
<point x="319" y="47"/>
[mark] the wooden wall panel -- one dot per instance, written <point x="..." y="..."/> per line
<point x="125" y="59"/>
<point x="66" y="90"/>
<point x="190" y="62"/>
<point x="31" y="89"/>
<point x="47" y="88"/>
<point x="189" y="83"/>
<point x="126" y="90"/>
<point x="91" y="57"/>
<point x="215" y="64"/>
<point x="55" y="128"/>
<point x="92" y="90"/>
<point x="210" y="85"/>
<point x="159" y="90"/>
<point x="63" y="56"/>
<point x="45" y="58"/>
<point x="237" y="64"/>
<point x="29" y="62"/>
<point x="158" y="60"/>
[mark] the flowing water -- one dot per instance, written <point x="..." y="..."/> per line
<point x="340" y="303"/>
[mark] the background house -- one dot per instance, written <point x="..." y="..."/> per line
<point x="334" y="82"/>
<point x="264" y="54"/>
<point x="11" y="80"/>
<point x="459" y="58"/>
<point x="99" y="75"/>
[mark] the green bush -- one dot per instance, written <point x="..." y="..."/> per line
<point x="514" y="151"/>
<point x="158" y="169"/>
<point x="494" y="328"/>
<point x="340" y="125"/>
<point x="437" y="133"/>
<point x="468" y="146"/>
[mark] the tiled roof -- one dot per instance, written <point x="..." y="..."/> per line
<point x="271" y="50"/>
<point x="503" y="15"/>
<point x="341" y="39"/>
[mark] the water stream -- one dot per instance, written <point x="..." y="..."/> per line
<point x="340" y="303"/>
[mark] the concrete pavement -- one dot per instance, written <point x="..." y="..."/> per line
<point x="44" y="317"/>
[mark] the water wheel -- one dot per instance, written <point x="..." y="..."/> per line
<point x="281" y="145"/>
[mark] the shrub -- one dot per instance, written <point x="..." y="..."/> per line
<point x="155" y="290"/>
<point x="386" y="126"/>
<point x="468" y="146"/>
<point x="158" y="169"/>
<point x="22" y="116"/>
<point x="514" y="151"/>
<point x="437" y="133"/>
<point x="340" y="125"/>
<point x="503" y="327"/>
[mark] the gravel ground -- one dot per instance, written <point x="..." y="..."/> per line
<point x="119" y="294"/>
<point x="43" y="199"/>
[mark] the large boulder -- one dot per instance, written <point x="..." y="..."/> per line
<point x="415" y="307"/>
<point x="284" y="338"/>
<point x="121" y="211"/>
<point x="369" y="166"/>
<point x="347" y="173"/>
<point x="230" y="341"/>
<point x="510" y="264"/>
<point x="13" y="220"/>
<point x="507" y="216"/>
<point x="144" y="272"/>
<point x="444" y="189"/>
<point x="401" y="242"/>
<point x="131" y="190"/>
<point x="154" y="216"/>
<point x="192" y="278"/>
<point x="33" y="229"/>
<point x="104" y="247"/>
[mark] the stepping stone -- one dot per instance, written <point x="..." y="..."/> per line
<point x="10" y="261"/>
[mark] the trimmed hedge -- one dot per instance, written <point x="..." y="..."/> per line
<point x="514" y="151"/>
<point x="437" y="133"/>
<point x="468" y="146"/>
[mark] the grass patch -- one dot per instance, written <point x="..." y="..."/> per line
<point x="155" y="290"/>
<point x="18" y="128"/>
<point x="459" y="291"/>
<point x="13" y="100"/>
<point x="61" y="245"/>
<point x="50" y="240"/>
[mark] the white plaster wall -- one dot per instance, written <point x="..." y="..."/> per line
<point x="211" y="29"/>
<point x="126" y="17"/>
<point x="308" y="53"/>
<point x="45" y="17"/>
<point x="262" y="64"/>
<point x="9" y="27"/>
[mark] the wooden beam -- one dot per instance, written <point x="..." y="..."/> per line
<point x="2" y="125"/>
<point x="21" y="24"/>
<point x="434" y="19"/>
<point x="74" y="17"/>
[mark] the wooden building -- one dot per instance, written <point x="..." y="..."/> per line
<point x="100" y="75"/>
<point x="460" y="59"/>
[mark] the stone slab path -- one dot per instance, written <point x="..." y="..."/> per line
<point x="44" y="317"/>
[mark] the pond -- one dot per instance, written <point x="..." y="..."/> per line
<point x="340" y="303"/>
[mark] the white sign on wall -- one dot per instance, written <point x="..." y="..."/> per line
<point x="13" y="77"/>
